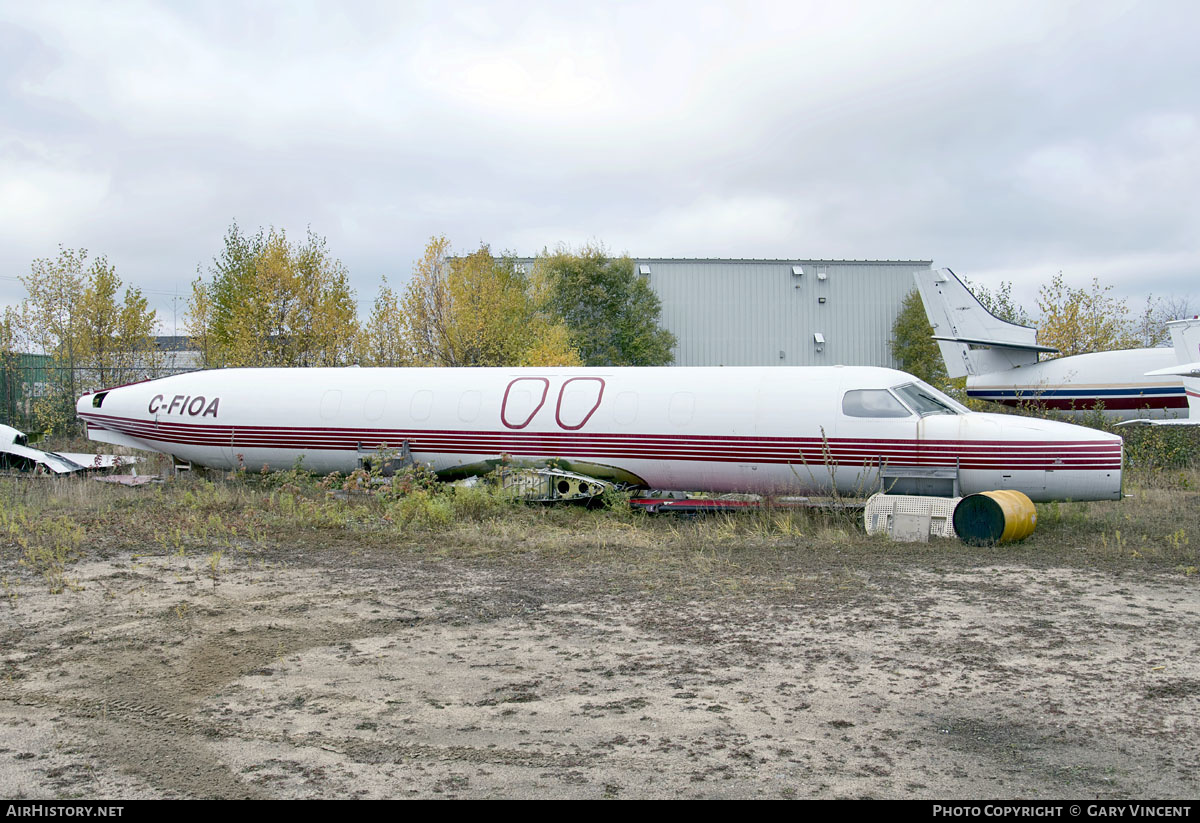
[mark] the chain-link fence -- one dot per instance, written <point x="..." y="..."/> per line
<point x="37" y="394"/>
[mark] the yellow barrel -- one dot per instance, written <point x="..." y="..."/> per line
<point x="1000" y="516"/>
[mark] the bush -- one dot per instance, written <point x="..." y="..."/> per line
<point x="479" y="502"/>
<point x="421" y="510"/>
<point x="1161" y="447"/>
<point x="1146" y="447"/>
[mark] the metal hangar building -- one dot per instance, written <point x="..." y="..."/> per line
<point x="729" y="312"/>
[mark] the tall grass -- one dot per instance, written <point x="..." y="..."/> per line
<point x="46" y="524"/>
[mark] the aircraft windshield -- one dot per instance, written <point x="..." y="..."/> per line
<point x="925" y="399"/>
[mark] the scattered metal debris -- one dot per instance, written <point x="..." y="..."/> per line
<point x="551" y="485"/>
<point x="17" y="455"/>
<point x="129" y="479"/>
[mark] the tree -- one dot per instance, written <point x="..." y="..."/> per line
<point x="426" y="309"/>
<point x="324" y="320"/>
<point x="1000" y="302"/>
<point x="1150" y="327"/>
<point x="913" y="344"/>
<point x="1077" y="321"/>
<point x="273" y="303"/>
<point x="71" y="314"/>
<point x="477" y="311"/>
<point x="383" y="339"/>
<point x="198" y="323"/>
<point x="10" y="373"/>
<point x="115" y="340"/>
<point x="50" y="325"/>
<point x="610" y="312"/>
<point x="1087" y="320"/>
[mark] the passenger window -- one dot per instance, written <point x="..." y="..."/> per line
<point x="331" y="404"/>
<point x="872" y="403"/>
<point x="468" y="406"/>
<point x="421" y="405"/>
<point x="681" y="408"/>
<point x="625" y="408"/>
<point x="373" y="406"/>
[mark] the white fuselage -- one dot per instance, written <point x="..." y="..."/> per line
<point x="1113" y="382"/>
<point x="764" y="430"/>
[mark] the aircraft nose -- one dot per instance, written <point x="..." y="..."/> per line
<point x="1080" y="463"/>
<point x="86" y="403"/>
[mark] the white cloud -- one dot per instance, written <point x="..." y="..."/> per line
<point x="1022" y="137"/>
<point x="44" y="192"/>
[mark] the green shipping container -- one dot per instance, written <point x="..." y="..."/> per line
<point x="23" y="379"/>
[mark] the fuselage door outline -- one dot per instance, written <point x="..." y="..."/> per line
<point x="541" y="402"/>
<point x="562" y="393"/>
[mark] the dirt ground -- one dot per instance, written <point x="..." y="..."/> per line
<point x="333" y="672"/>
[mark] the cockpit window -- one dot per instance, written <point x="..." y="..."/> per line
<point x="872" y="403"/>
<point x="925" y="399"/>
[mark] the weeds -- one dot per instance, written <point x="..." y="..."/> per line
<point x="47" y="545"/>
<point x="420" y="510"/>
<point x="219" y="522"/>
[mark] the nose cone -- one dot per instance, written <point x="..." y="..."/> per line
<point x="1035" y="428"/>
<point x="98" y="402"/>
<point x="119" y="411"/>
<point x="1079" y="463"/>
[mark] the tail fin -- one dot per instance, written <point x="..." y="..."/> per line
<point x="972" y="339"/>
<point x="1185" y="334"/>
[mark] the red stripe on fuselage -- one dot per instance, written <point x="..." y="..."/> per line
<point x="967" y="454"/>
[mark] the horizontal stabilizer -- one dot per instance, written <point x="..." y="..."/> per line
<point x="1183" y="421"/>
<point x="1184" y="370"/>
<point x="1003" y="344"/>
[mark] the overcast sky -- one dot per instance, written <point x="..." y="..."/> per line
<point x="1004" y="140"/>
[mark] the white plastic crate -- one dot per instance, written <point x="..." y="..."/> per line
<point x="910" y="518"/>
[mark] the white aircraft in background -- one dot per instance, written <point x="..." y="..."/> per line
<point x="1000" y="361"/>
<point x="758" y="430"/>
<point x="1185" y="334"/>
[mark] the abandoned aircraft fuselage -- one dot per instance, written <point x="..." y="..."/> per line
<point x="762" y="430"/>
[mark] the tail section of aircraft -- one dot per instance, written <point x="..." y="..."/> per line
<point x="1185" y="334"/>
<point x="972" y="339"/>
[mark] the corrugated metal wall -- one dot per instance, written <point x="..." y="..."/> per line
<point x="759" y="313"/>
